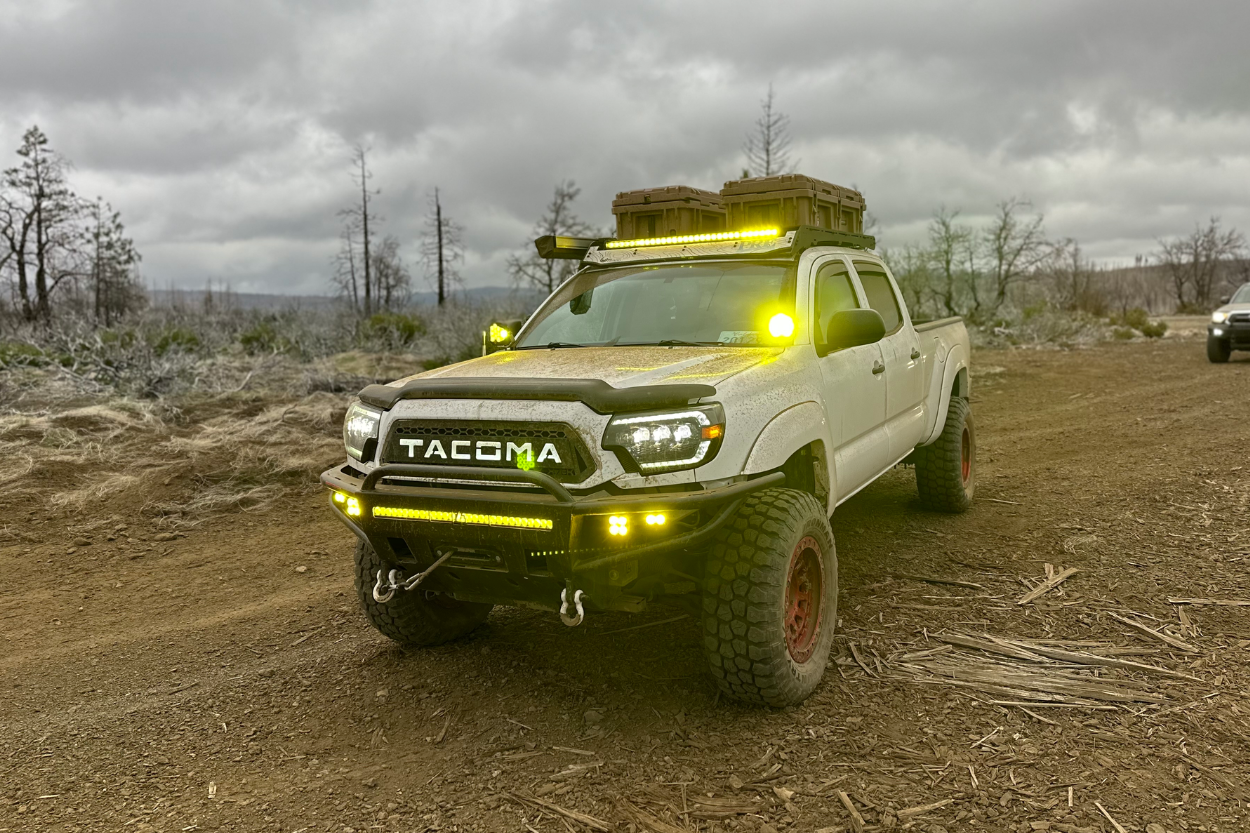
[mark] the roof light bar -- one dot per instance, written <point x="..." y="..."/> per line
<point x="751" y="234"/>
<point x="471" y="518"/>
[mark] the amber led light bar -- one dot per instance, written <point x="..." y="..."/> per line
<point x="752" y="234"/>
<point x="471" y="518"/>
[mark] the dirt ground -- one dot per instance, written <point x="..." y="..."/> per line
<point x="219" y="676"/>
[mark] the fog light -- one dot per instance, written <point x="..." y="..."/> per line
<point x="656" y="520"/>
<point x="618" y="525"/>
<point x="1216" y="331"/>
<point x="353" y="507"/>
<point x="339" y="497"/>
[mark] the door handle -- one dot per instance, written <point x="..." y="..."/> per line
<point x="915" y="354"/>
<point x="878" y="367"/>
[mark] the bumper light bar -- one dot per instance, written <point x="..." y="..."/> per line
<point x="471" y="518"/>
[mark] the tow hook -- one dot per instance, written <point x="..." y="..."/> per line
<point x="384" y="589"/>
<point x="571" y="621"/>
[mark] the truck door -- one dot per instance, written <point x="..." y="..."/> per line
<point x="854" y="385"/>
<point x="904" y="369"/>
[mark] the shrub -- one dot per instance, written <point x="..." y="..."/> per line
<point x="21" y="354"/>
<point x="1123" y="333"/>
<point x="391" y="330"/>
<point x="179" y="339"/>
<point x="1154" y="329"/>
<point x="1135" y="318"/>
<point x="264" y="337"/>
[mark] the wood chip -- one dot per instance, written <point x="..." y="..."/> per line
<point x="1114" y="823"/>
<point x="857" y="821"/>
<point x="908" y="812"/>
<point x="590" y="821"/>
<point x="1108" y="662"/>
<point x="1159" y="635"/>
<point x="859" y="659"/>
<point x="1048" y="585"/>
<point x="1218" y="602"/>
<point x="942" y="581"/>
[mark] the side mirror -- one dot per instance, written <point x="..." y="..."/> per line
<point x="500" y="335"/>
<point x="581" y="304"/>
<point x="1226" y="300"/>
<point x="853" y="327"/>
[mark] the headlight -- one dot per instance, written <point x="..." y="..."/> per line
<point x="652" y="443"/>
<point x="1219" y="317"/>
<point x="360" y="430"/>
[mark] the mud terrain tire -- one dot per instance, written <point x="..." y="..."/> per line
<point x="413" y="618"/>
<point x="946" y="469"/>
<point x="1218" y="350"/>
<point x="770" y="599"/>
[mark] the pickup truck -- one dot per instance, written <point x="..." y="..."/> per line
<point x="680" y="418"/>
<point x="1229" y="329"/>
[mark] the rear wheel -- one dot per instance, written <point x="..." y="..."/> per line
<point x="1218" y="350"/>
<point x="946" y="469"/>
<point x="770" y="599"/>
<point x="412" y="617"/>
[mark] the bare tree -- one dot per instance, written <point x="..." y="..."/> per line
<point x="1200" y="262"/>
<point x="41" y="225"/>
<point x="348" y="269"/>
<point x="391" y="277"/>
<point x="1012" y="246"/>
<point x="949" y="245"/>
<point x="767" y="148"/>
<point x="442" y="248"/>
<point x="115" y="287"/>
<point x="365" y="221"/>
<point x="559" y="219"/>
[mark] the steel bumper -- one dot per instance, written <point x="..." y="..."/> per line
<point x="545" y="533"/>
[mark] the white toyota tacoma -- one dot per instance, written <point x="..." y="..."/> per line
<point x="680" y="418"/>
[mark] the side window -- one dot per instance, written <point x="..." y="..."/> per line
<point x="880" y="295"/>
<point x="834" y="293"/>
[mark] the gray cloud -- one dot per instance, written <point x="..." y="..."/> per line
<point x="223" y="131"/>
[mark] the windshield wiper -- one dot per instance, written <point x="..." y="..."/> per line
<point x="552" y="345"/>
<point x="674" y="342"/>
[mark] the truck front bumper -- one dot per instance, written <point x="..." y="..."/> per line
<point x="524" y="546"/>
<point x="1236" y="334"/>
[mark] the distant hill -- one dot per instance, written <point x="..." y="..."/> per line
<point x="266" y="301"/>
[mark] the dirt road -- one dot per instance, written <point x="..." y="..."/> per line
<point x="224" y="680"/>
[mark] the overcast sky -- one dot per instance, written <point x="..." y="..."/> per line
<point x="222" y="130"/>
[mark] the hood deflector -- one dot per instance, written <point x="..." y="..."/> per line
<point x="597" y="394"/>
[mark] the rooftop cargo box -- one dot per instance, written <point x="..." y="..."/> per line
<point x="667" y="211"/>
<point x="792" y="200"/>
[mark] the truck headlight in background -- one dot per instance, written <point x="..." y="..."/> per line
<point x="360" y="430"/>
<point x="1219" y="317"/>
<point x="663" y="442"/>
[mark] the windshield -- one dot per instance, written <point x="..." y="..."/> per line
<point x="1242" y="296"/>
<point x="688" y="303"/>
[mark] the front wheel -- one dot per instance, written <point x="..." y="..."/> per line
<point x="770" y="599"/>
<point x="412" y="617"/>
<point x="1218" y="350"/>
<point x="946" y="469"/>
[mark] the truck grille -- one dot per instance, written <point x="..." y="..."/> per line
<point x="553" y="448"/>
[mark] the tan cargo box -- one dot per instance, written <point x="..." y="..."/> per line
<point x="667" y="211"/>
<point x="792" y="200"/>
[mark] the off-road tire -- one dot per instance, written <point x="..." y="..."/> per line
<point x="746" y="584"/>
<point x="413" y="617"/>
<point x="1218" y="350"/>
<point x="946" y="469"/>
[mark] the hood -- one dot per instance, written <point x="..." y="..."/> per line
<point x="620" y="367"/>
<point x="1235" y="308"/>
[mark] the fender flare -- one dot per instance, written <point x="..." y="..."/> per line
<point x="956" y="364"/>
<point x="797" y="426"/>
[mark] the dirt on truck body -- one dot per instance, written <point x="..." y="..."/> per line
<point x="678" y="420"/>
